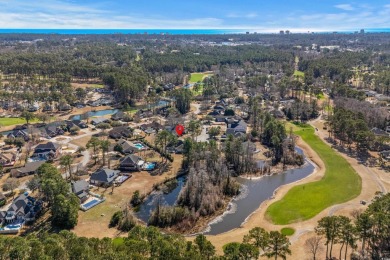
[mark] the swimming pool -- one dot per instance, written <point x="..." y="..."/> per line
<point x="122" y="179"/>
<point x="149" y="166"/>
<point x="140" y="146"/>
<point x="18" y="226"/>
<point x="90" y="204"/>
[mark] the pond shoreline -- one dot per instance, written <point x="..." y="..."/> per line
<point x="233" y="206"/>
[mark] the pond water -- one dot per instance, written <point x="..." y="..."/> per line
<point x="93" y="114"/>
<point x="168" y="199"/>
<point x="158" y="104"/>
<point x="253" y="193"/>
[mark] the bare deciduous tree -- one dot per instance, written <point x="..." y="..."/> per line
<point x="313" y="245"/>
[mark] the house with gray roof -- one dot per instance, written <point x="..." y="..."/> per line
<point x="80" y="189"/>
<point x="103" y="177"/>
<point x="47" y="151"/>
<point x="379" y="132"/>
<point x="235" y="126"/>
<point x="131" y="163"/>
<point x="23" y="208"/>
<point x="99" y="120"/>
<point x="19" y="133"/>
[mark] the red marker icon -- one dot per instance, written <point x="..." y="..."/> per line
<point x="179" y="130"/>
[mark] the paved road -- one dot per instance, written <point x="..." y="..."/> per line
<point x="204" y="136"/>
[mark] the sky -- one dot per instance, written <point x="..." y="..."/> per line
<point x="254" y="15"/>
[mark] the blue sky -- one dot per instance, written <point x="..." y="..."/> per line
<point x="256" y="15"/>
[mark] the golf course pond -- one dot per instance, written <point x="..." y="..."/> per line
<point x="253" y="192"/>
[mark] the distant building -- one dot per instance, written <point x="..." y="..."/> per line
<point x="287" y="32"/>
<point x="362" y="31"/>
<point x="281" y="32"/>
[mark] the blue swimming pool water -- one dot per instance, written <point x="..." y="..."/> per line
<point x="150" y="166"/>
<point x="13" y="226"/>
<point x="139" y="146"/>
<point x="91" y="203"/>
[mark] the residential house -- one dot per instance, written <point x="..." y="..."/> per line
<point x="80" y="189"/>
<point x="64" y="107"/>
<point x="152" y="127"/>
<point x="103" y="177"/>
<point x="168" y="87"/>
<point x="235" y="126"/>
<point x="379" y="132"/>
<point x="7" y="158"/>
<point x="47" y="108"/>
<point x="120" y="115"/>
<point x="28" y="169"/>
<point x="47" y="151"/>
<point x="177" y="147"/>
<point x="23" y="209"/>
<point x="220" y="118"/>
<point x="131" y="163"/>
<point x="277" y="113"/>
<point x="385" y="155"/>
<point x="128" y="147"/>
<point x="99" y="120"/>
<point x="53" y="129"/>
<point x="121" y="132"/>
<point x="19" y="134"/>
<point x="78" y="123"/>
<point x="219" y="108"/>
<point x="33" y="107"/>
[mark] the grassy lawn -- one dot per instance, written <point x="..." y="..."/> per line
<point x="199" y="92"/>
<point x="97" y="85"/>
<point x="118" y="241"/>
<point x="7" y="121"/>
<point x="339" y="184"/>
<point x="299" y="74"/>
<point x="287" y="231"/>
<point x="195" y="77"/>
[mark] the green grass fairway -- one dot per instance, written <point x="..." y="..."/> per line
<point x="340" y="184"/>
<point x="299" y="74"/>
<point x="287" y="231"/>
<point x="7" y="121"/>
<point x="195" y="77"/>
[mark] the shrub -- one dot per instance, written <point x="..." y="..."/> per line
<point x="103" y="126"/>
<point x="116" y="123"/>
<point x="127" y="222"/>
<point x="136" y="199"/>
<point x="116" y="218"/>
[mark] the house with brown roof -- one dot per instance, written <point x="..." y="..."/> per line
<point x="7" y="158"/>
<point x="28" y="169"/>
